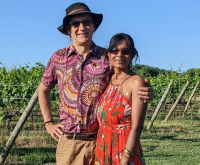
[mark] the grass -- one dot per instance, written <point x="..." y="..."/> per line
<point x="31" y="148"/>
<point x="32" y="156"/>
<point x="179" y="144"/>
<point x="176" y="142"/>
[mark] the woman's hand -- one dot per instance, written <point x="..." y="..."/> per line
<point x="146" y="93"/>
<point x="123" y="161"/>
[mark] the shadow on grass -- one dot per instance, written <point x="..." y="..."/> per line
<point x="163" y="155"/>
<point x="159" y="137"/>
<point x="170" y="137"/>
<point x="31" y="156"/>
<point x="188" y="140"/>
<point x="167" y="137"/>
<point x="159" y="155"/>
<point x="25" y="151"/>
<point x="150" y="148"/>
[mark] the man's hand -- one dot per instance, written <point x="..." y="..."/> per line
<point x="54" y="130"/>
<point x="146" y="93"/>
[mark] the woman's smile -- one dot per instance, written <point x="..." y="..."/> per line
<point x="119" y="61"/>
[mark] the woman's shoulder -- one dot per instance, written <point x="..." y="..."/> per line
<point x="136" y="81"/>
<point x="136" y="78"/>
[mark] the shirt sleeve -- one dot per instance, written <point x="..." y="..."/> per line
<point x="49" y="77"/>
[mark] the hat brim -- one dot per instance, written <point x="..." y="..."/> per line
<point x="97" y="19"/>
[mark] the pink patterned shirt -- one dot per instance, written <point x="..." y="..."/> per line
<point x="80" y="85"/>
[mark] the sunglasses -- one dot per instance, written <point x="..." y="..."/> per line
<point x="85" y="22"/>
<point x="125" y="51"/>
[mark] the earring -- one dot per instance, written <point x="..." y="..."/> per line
<point x="110" y="65"/>
<point x="130" y="65"/>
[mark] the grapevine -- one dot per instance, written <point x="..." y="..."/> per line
<point x="18" y="84"/>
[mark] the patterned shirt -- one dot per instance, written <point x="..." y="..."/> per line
<point x="80" y="85"/>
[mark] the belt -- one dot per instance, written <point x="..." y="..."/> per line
<point x="81" y="136"/>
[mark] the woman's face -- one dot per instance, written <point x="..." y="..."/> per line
<point x="120" y="57"/>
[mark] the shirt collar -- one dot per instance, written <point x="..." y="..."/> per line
<point x="93" y="50"/>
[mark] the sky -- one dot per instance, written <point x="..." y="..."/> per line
<point x="166" y="32"/>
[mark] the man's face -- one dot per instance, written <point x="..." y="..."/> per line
<point x="81" y="33"/>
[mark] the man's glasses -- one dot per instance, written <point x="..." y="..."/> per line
<point x="85" y="22"/>
<point x="125" y="51"/>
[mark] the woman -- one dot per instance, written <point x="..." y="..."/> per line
<point x="120" y="112"/>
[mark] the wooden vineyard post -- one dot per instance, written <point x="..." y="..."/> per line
<point x="190" y="98"/>
<point x="159" y="105"/>
<point x="18" y="127"/>
<point x="199" y="109"/>
<point x="177" y="100"/>
<point x="197" y="103"/>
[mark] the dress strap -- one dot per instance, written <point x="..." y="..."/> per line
<point x="125" y="79"/>
<point x="120" y="84"/>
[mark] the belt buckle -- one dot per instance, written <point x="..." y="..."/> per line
<point x="91" y="136"/>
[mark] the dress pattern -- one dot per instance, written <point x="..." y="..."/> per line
<point x="114" y="116"/>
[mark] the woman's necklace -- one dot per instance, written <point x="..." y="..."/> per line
<point x="126" y="77"/>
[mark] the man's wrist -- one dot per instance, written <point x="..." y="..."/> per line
<point x="50" y="121"/>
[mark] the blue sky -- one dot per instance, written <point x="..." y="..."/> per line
<point x="166" y="32"/>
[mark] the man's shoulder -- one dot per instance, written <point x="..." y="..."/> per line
<point x="61" y="52"/>
<point x="60" y="56"/>
<point x="100" y="51"/>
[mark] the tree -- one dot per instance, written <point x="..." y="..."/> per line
<point x="146" y="71"/>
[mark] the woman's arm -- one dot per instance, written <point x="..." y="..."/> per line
<point x="137" y="118"/>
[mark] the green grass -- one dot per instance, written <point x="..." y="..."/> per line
<point x="31" y="147"/>
<point x="32" y="156"/>
<point x="177" y="144"/>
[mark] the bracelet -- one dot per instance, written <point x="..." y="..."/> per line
<point x="126" y="157"/>
<point x="129" y="152"/>
<point x="48" y="122"/>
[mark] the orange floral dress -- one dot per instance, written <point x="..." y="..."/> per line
<point x="114" y="116"/>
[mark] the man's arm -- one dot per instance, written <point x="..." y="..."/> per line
<point x="45" y="107"/>
<point x="146" y="93"/>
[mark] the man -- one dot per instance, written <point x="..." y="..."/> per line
<point x="82" y="74"/>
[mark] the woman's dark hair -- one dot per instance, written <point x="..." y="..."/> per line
<point x="129" y="42"/>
